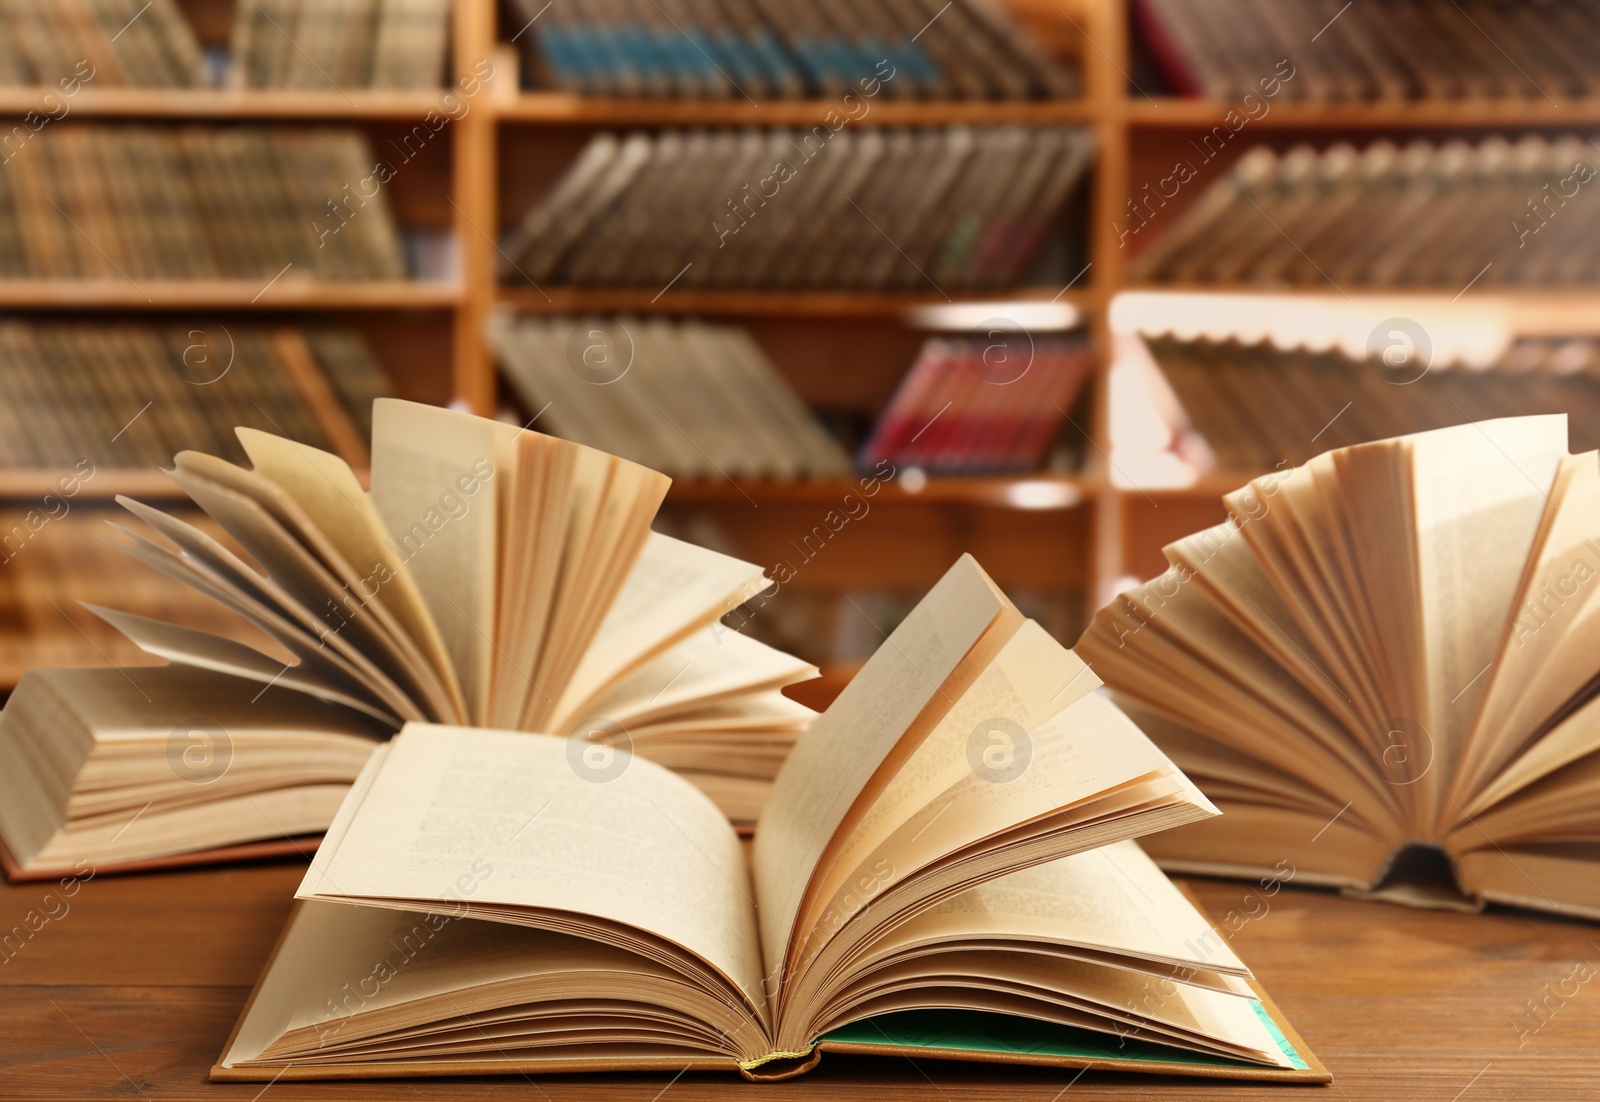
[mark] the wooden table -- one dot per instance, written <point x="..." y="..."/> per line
<point x="132" y="990"/>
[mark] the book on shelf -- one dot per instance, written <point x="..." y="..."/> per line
<point x="873" y="209"/>
<point x="702" y="49"/>
<point x="134" y="202"/>
<point x="1494" y="214"/>
<point x="64" y="45"/>
<point x="688" y="398"/>
<point x="944" y="869"/>
<point x="1381" y="670"/>
<point x="177" y="385"/>
<point x="982" y="404"/>
<point x="333" y="45"/>
<point x="493" y="576"/>
<point x="1248" y="407"/>
<point x="1426" y="51"/>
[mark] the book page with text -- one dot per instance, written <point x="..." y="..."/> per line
<point x="848" y="743"/>
<point x="501" y="819"/>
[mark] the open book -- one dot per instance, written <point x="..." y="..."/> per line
<point x="1383" y="668"/>
<point x="493" y="577"/>
<point x="943" y="869"/>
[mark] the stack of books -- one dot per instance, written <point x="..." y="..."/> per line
<point x="1417" y="50"/>
<point x="1495" y="213"/>
<point x="768" y="49"/>
<point x="690" y="399"/>
<point x="127" y="203"/>
<point x="131" y="395"/>
<point x="955" y="208"/>
<point x="63" y="44"/>
<point x="981" y="405"/>
<point x="330" y="45"/>
<point x="1258" y="406"/>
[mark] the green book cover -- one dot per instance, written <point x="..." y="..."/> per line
<point x="978" y="1031"/>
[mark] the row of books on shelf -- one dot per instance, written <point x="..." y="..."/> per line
<point x="693" y="399"/>
<point x="1257" y="406"/>
<point x="93" y="201"/>
<point x="959" y="207"/>
<point x="1405" y="51"/>
<point x="1497" y="213"/>
<point x="704" y="401"/>
<point x="985" y="405"/>
<point x="548" y="605"/>
<point x="121" y="394"/>
<point x="771" y="49"/>
<point x="309" y="44"/>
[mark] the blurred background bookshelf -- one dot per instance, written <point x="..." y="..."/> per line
<point x="483" y="109"/>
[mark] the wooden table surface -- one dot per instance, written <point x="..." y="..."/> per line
<point x="130" y="988"/>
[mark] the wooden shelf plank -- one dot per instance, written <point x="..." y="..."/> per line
<point x="209" y="103"/>
<point x="1049" y="490"/>
<point x="123" y="294"/>
<point x="1436" y="114"/>
<point x="821" y="304"/>
<point x="567" y="109"/>
<point x="1527" y="311"/>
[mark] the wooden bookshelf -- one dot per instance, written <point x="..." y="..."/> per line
<point x="804" y="304"/>
<point x="1077" y="534"/>
<point x="186" y="104"/>
<point x="217" y="295"/>
<point x="563" y="108"/>
<point x="1532" y="113"/>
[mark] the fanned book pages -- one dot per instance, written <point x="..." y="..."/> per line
<point x="944" y="869"/>
<point x="494" y="576"/>
<point x="1383" y="669"/>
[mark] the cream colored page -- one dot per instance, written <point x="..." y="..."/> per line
<point x="986" y="732"/>
<point x="202" y="650"/>
<point x="847" y="743"/>
<point x="711" y="663"/>
<point x="1480" y="490"/>
<point x="1576" y="736"/>
<point x="1547" y="656"/>
<point x="673" y="588"/>
<point x="538" y="824"/>
<point x="327" y="489"/>
<point x="1088" y="752"/>
<point x="1153" y="1007"/>
<point x="435" y="483"/>
<point x="310" y="585"/>
<point x="1114" y="898"/>
<point x="340" y="961"/>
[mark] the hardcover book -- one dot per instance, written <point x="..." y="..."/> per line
<point x="944" y="869"/>
<point x="493" y="576"/>
<point x="1382" y="668"/>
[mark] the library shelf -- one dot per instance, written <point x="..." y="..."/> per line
<point x="1532" y="112"/>
<point x="819" y="304"/>
<point x="227" y="294"/>
<point x="566" y="109"/>
<point x="181" y="104"/>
